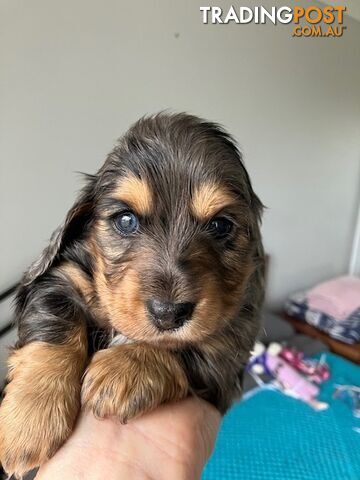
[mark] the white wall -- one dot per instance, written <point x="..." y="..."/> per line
<point x="75" y="74"/>
<point x="352" y="6"/>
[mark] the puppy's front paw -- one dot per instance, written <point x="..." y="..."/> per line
<point x="33" y="425"/>
<point x="40" y="406"/>
<point x="128" y="380"/>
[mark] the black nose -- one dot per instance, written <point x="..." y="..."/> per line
<point x="168" y="315"/>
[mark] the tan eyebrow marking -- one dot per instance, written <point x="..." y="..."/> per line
<point x="136" y="193"/>
<point x="209" y="199"/>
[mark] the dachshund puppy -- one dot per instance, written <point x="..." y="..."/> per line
<point x="149" y="292"/>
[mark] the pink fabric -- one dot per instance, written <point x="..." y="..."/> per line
<point x="338" y="297"/>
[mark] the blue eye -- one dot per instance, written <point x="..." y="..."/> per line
<point x="219" y="227"/>
<point x="126" y="223"/>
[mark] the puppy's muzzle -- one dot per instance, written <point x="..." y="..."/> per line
<point x="169" y="315"/>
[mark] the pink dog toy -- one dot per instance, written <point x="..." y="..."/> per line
<point x="316" y="371"/>
<point x="287" y="378"/>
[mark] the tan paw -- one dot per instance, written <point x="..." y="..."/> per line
<point x="40" y="406"/>
<point x="128" y="380"/>
<point x="33" y="425"/>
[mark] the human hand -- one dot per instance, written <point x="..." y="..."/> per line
<point x="172" y="442"/>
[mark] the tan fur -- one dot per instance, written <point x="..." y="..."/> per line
<point x="122" y="303"/>
<point x="209" y="199"/>
<point x="126" y="381"/>
<point x="78" y="279"/>
<point x="41" y="401"/>
<point x="136" y="193"/>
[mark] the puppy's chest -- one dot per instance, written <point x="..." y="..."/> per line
<point x="119" y="339"/>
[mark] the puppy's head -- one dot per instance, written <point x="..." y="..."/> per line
<point x="171" y="224"/>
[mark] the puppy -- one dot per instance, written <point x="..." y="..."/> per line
<point x="149" y="292"/>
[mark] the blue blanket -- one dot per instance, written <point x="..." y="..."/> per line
<point x="347" y="330"/>
<point x="269" y="436"/>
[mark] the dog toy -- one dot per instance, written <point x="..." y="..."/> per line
<point x="285" y="377"/>
<point x="316" y="370"/>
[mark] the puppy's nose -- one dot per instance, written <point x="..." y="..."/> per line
<point x="168" y="315"/>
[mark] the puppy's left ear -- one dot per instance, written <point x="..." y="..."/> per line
<point x="73" y="227"/>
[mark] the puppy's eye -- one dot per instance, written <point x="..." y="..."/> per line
<point x="126" y="223"/>
<point x="220" y="227"/>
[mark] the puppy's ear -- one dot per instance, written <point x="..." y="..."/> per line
<point x="73" y="227"/>
<point x="253" y="200"/>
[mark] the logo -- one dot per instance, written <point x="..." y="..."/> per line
<point x="310" y="21"/>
